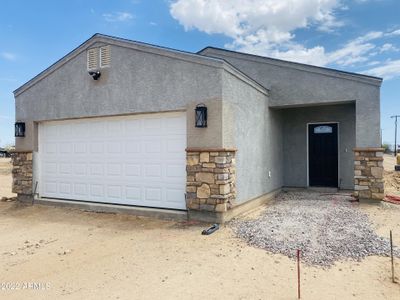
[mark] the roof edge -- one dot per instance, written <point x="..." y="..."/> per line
<point x="316" y="69"/>
<point x="140" y="46"/>
<point x="245" y="78"/>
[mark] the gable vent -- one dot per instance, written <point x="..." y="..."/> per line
<point x="105" y="56"/>
<point x="92" y="59"/>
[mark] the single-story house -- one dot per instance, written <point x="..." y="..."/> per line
<point x="212" y="133"/>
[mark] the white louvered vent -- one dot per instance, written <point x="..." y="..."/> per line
<point x="105" y="56"/>
<point x="93" y="59"/>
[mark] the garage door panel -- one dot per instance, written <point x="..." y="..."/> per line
<point x="153" y="194"/>
<point x="96" y="191"/>
<point x="133" y="170"/>
<point x="80" y="147"/>
<point x="65" y="188"/>
<point x="65" y="168"/>
<point x="133" y="146"/>
<point x="172" y="195"/>
<point x="80" y="189"/>
<point x="134" y="160"/>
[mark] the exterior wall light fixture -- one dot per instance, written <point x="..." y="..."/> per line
<point x="95" y="74"/>
<point x="201" y="116"/>
<point x="19" y="129"/>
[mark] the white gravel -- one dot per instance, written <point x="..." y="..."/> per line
<point x="325" y="227"/>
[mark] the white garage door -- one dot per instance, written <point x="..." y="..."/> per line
<point x="134" y="160"/>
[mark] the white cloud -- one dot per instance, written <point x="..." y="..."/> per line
<point x="388" y="47"/>
<point x="394" y="33"/>
<point x="388" y="70"/>
<point x="266" y="27"/>
<point x="258" y="20"/>
<point x="118" y="17"/>
<point x="8" y="56"/>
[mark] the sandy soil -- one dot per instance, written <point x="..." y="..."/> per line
<point x="392" y="178"/>
<point x="5" y="178"/>
<point x="86" y="255"/>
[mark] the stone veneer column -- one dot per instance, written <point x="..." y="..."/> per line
<point x="22" y="175"/>
<point x="368" y="173"/>
<point x="210" y="183"/>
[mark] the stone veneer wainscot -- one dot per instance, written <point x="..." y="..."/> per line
<point x="368" y="173"/>
<point x="210" y="180"/>
<point x="22" y="174"/>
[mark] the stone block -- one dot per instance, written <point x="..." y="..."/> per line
<point x="205" y="177"/>
<point x="194" y="206"/>
<point x="192" y="160"/>
<point x="208" y="165"/>
<point x="220" y="160"/>
<point x="190" y="196"/>
<point x="193" y="169"/>
<point x="203" y="191"/>
<point x="224" y="189"/>
<point x="223" y="176"/>
<point x="377" y="172"/>
<point x="191" y="189"/>
<point x="361" y="187"/>
<point x="204" y="157"/>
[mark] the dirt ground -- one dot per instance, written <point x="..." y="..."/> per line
<point x="5" y="178"/>
<point x="392" y="178"/>
<point x="85" y="255"/>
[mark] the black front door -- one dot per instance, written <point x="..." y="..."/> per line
<point x="323" y="154"/>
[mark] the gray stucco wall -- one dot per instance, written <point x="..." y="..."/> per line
<point x="254" y="129"/>
<point x="295" y="141"/>
<point x="300" y="85"/>
<point x="136" y="82"/>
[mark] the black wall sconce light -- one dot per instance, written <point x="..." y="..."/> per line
<point x="95" y="74"/>
<point x="19" y="129"/>
<point x="201" y="116"/>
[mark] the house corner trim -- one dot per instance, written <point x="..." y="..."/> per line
<point x="22" y="174"/>
<point x="211" y="179"/>
<point x="368" y="173"/>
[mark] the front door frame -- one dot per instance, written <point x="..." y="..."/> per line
<point x="338" y="145"/>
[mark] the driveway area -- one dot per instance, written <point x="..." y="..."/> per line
<point x="84" y="255"/>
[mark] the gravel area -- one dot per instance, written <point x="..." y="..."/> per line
<point x="325" y="227"/>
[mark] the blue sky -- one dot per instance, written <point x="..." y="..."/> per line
<point x="355" y="35"/>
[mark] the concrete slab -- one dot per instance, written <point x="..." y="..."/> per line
<point x="157" y="213"/>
